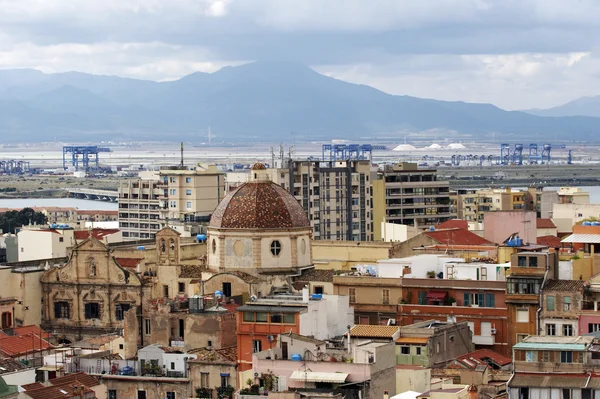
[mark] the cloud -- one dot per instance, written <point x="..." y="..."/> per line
<point x="511" y="52"/>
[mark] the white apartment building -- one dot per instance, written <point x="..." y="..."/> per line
<point x="44" y="243"/>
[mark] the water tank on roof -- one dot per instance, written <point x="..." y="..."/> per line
<point x="201" y="237"/>
<point x="432" y="228"/>
<point x="61" y="226"/>
<point x="66" y="226"/>
<point x="595" y="223"/>
<point x="218" y="294"/>
<point x="587" y="223"/>
<point x="296" y="357"/>
<point x="317" y="296"/>
<point x="141" y="247"/>
<point x="53" y="225"/>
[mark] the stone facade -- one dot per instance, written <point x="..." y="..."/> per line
<point x="89" y="295"/>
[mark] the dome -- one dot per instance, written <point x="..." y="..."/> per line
<point x="259" y="166"/>
<point x="259" y="205"/>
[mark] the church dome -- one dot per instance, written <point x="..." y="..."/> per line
<point x="259" y="205"/>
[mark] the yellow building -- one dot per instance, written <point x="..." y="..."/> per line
<point x="342" y="255"/>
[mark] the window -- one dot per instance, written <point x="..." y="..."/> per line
<point x="566" y="357"/>
<point x="551" y="329"/>
<point x="120" y="310"/>
<point x="567" y="330"/>
<point x="522" y="261"/>
<point x="261" y="317"/>
<point x="204" y="380"/>
<point x="550" y="303"/>
<point x="188" y="192"/>
<point x="352" y="295"/>
<point x="490" y="301"/>
<point x="209" y="344"/>
<point x="188" y="205"/>
<point x="92" y="310"/>
<point x="522" y="286"/>
<point x="147" y="327"/>
<point x="170" y="395"/>
<point x="275" y="247"/>
<point x="437" y="347"/>
<point x="61" y="239"/>
<point x="567" y="303"/>
<point x="405" y="350"/>
<point x="121" y="346"/>
<point x="593" y="327"/>
<point x="112" y="394"/>
<point x="523" y="393"/>
<point x="566" y="393"/>
<point x="248" y="317"/>
<point x="256" y="346"/>
<point x="418" y="350"/>
<point x="276" y="318"/>
<point x="533" y="261"/>
<point x="224" y="381"/>
<point x="188" y="179"/>
<point x="226" y="290"/>
<point x="172" y="180"/>
<point x="318" y="289"/>
<point x="181" y="287"/>
<point x="385" y="297"/>
<point x="586" y="393"/>
<point x="523" y="315"/>
<point x="61" y="310"/>
<point x="173" y="204"/>
<point x="288" y="318"/>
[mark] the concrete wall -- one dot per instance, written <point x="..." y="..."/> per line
<point x="214" y="371"/>
<point x="155" y="388"/>
<point x="26" y="288"/>
<point x="413" y="379"/>
<point x="41" y="244"/>
<point x="20" y="378"/>
<point x="327" y="318"/>
<point x="342" y="255"/>
<point x="566" y="215"/>
<point x="498" y="226"/>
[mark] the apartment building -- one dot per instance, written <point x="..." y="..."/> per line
<point x="181" y="198"/>
<point x="336" y="195"/>
<point x="405" y="194"/>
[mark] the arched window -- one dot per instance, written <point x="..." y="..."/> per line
<point x="172" y="245"/>
<point x="214" y="246"/>
<point x="275" y="247"/>
<point x="163" y="245"/>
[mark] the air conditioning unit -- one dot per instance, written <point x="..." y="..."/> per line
<point x="493" y="331"/>
<point x="257" y="375"/>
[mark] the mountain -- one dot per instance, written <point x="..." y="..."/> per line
<point x="584" y="106"/>
<point x="257" y="101"/>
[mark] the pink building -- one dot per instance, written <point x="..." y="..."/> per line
<point x="499" y="225"/>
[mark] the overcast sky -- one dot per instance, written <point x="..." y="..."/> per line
<point x="513" y="53"/>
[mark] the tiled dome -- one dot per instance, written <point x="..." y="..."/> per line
<point x="259" y="205"/>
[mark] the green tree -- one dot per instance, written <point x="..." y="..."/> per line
<point x="11" y="220"/>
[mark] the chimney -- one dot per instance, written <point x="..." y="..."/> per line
<point x="386" y="395"/>
<point x="305" y="296"/>
<point x="472" y="390"/>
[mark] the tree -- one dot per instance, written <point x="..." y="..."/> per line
<point x="11" y="220"/>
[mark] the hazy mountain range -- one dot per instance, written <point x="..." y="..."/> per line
<point x="262" y="100"/>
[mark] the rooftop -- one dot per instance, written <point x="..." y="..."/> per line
<point x="8" y="365"/>
<point x="18" y="345"/>
<point x="453" y="224"/>
<point x="98" y="234"/>
<point x="228" y="354"/>
<point x="457" y="237"/>
<point x="583" y="238"/>
<point x="96" y="342"/>
<point x="549" y="241"/>
<point x="317" y="275"/>
<point x="545" y="224"/>
<point x="483" y="357"/>
<point x="564" y="285"/>
<point x="129" y="262"/>
<point x="373" y="331"/>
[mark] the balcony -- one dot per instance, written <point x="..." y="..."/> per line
<point x="484" y="339"/>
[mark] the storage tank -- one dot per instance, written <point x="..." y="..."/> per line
<point x="296" y="357"/>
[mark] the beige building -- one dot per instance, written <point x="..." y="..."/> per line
<point x="408" y="195"/>
<point x="181" y="198"/>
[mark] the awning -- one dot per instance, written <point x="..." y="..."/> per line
<point x="311" y="376"/>
<point x="436" y="295"/>
<point x="583" y="238"/>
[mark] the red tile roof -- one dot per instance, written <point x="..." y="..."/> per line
<point x="81" y="378"/>
<point x="453" y="224"/>
<point x="550" y="241"/>
<point x="456" y="237"/>
<point x="129" y="262"/>
<point x="31" y="329"/>
<point x="482" y="357"/>
<point x="33" y="386"/>
<point x="14" y="346"/>
<point x="98" y="234"/>
<point x="545" y="224"/>
<point x="61" y="392"/>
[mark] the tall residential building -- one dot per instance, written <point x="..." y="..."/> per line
<point x="336" y="195"/>
<point x="181" y="198"/>
<point x="405" y="194"/>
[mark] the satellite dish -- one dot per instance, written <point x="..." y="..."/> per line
<point x="253" y="298"/>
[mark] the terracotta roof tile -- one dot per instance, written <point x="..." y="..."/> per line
<point x="317" y="275"/>
<point x="8" y="365"/>
<point x="457" y="237"/>
<point x="14" y="346"/>
<point x="60" y="392"/>
<point x="80" y="378"/>
<point x="482" y="356"/>
<point x="373" y="331"/>
<point x="33" y="386"/>
<point x="564" y="285"/>
<point x="227" y="354"/>
<point x="31" y="329"/>
<point x="453" y="224"/>
<point x="129" y="262"/>
<point x="98" y="234"/>
<point x="259" y="205"/>
<point x="545" y="224"/>
<point x="550" y="241"/>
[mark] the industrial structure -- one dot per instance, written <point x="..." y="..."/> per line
<point x="12" y="166"/>
<point x="86" y="152"/>
<point x="344" y="152"/>
<point x="511" y="156"/>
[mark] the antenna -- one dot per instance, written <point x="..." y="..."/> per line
<point x="281" y="151"/>
<point x="272" y="157"/>
<point x="181" y="164"/>
<point x="290" y="152"/>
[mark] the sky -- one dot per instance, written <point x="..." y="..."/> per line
<point x="517" y="54"/>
